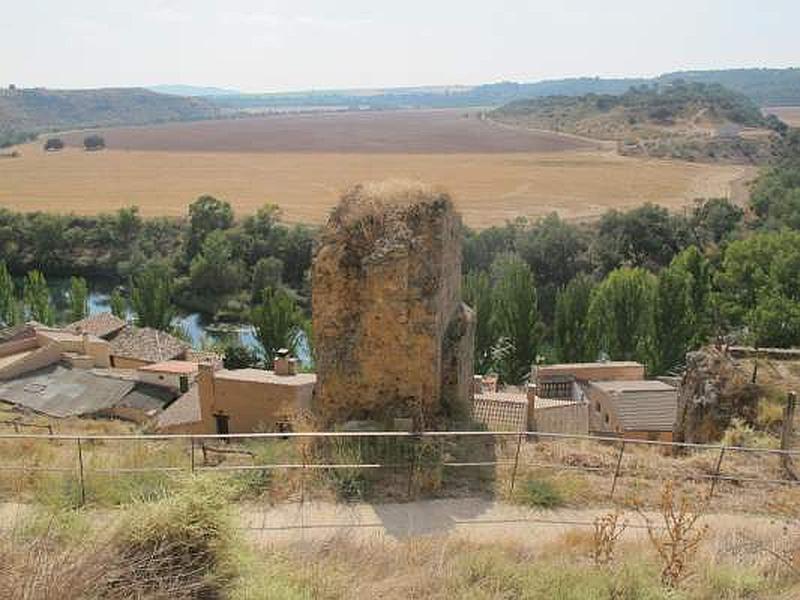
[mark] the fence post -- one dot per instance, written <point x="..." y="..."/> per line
<point x="412" y="463"/>
<point x="786" y="435"/>
<point x="717" y="469"/>
<point x="516" y="464"/>
<point x="617" y="470"/>
<point x="191" y="454"/>
<point x="81" y="481"/>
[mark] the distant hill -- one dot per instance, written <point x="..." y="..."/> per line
<point x="192" y="90"/>
<point x="36" y="110"/>
<point x="677" y="119"/>
<point x="768" y="87"/>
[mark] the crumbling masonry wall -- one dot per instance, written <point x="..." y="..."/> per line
<point x="392" y="337"/>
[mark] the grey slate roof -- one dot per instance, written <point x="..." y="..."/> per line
<point x="102" y="325"/>
<point x="184" y="410"/>
<point x="642" y="405"/>
<point x="147" y="397"/>
<point x="63" y="392"/>
<point x="147" y="344"/>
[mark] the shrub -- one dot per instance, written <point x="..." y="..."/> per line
<point x="739" y="433"/>
<point x="539" y="493"/>
<point x="53" y="144"/>
<point x="94" y="142"/>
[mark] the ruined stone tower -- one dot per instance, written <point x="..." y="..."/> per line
<point x="392" y="337"/>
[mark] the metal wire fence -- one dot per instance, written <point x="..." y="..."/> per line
<point x="106" y="468"/>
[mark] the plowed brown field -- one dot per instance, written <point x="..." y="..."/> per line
<point x="302" y="162"/>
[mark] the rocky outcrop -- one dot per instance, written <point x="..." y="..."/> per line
<point x="392" y="337"/>
<point x="713" y="390"/>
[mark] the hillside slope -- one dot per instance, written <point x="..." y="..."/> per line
<point x="769" y="87"/>
<point x="691" y="121"/>
<point x="43" y="109"/>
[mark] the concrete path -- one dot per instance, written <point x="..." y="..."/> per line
<point x="476" y="520"/>
<point x="473" y="519"/>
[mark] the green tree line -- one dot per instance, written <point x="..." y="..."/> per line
<point x="643" y="284"/>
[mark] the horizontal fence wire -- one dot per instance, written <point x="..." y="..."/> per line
<point x="558" y="456"/>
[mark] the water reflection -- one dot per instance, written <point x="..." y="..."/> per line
<point x="201" y="332"/>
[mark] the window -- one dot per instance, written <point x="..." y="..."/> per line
<point x="597" y="407"/>
<point x="605" y="418"/>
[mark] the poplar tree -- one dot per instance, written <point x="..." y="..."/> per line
<point x="151" y="297"/>
<point x="9" y="308"/>
<point x="673" y="319"/>
<point x="570" y="327"/>
<point x="621" y="315"/>
<point x="118" y="305"/>
<point x="78" y="298"/>
<point x="478" y="295"/>
<point x="36" y="296"/>
<point x="516" y="317"/>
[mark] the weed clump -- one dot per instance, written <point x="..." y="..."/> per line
<point x="539" y="493"/>
<point x="185" y="540"/>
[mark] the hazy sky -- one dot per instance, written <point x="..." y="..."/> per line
<point x="302" y="44"/>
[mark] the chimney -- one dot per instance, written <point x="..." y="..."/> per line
<point x="205" y="393"/>
<point x="283" y="364"/>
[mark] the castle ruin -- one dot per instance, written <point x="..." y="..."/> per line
<point x="392" y="337"/>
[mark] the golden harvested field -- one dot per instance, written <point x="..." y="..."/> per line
<point x="492" y="180"/>
<point x="788" y="114"/>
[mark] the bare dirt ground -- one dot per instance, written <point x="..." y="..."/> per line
<point x="788" y="114"/>
<point x="488" y="188"/>
<point x="406" y="132"/>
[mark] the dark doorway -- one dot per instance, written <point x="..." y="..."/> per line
<point x="223" y="427"/>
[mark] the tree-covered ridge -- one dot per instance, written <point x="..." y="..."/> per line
<point x="649" y="285"/>
<point x="695" y="121"/>
<point x="42" y="109"/>
<point x="658" y="103"/>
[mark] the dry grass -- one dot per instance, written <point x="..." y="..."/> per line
<point x="429" y="568"/>
<point x="487" y="189"/>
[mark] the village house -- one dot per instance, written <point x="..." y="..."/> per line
<point x="602" y="398"/>
<point x="135" y="347"/>
<point x="104" y="325"/>
<point x="175" y="374"/>
<point x="242" y="400"/>
<point x="71" y="372"/>
<point x="610" y="398"/>
<point x="632" y="409"/>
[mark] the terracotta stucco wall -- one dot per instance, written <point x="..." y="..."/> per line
<point x="171" y="380"/>
<point x="252" y="406"/>
<point x="37" y="359"/>
<point x="592" y="372"/>
<point x="120" y="362"/>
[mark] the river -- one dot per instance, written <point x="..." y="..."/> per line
<point x="201" y="332"/>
